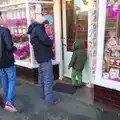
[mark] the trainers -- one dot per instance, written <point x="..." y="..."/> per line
<point x="10" y="107"/>
<point x="56" y="101"/>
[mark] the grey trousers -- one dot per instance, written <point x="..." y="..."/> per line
<point x="45" y="80"/>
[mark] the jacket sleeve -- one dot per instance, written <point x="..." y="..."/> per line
<point x="73" y="59"/>
<point x="44" y="37"/>
<point x="8" y="40"/>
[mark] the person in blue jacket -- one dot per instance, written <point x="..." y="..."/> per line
<point x="7" y="68"/>
<point x="42" y="46"/>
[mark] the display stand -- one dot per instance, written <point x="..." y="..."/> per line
<point x="18" y="17"/>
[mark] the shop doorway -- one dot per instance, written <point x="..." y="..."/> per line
<point x="75" y="26"/>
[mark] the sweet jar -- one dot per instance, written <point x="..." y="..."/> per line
<point x="116" y="54"/>
<point x="112" y="61"/>
<point x="118" y="62"/>
<point x="106" y="75"/>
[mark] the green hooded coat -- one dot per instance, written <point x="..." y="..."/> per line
<point x="79" y="56"/>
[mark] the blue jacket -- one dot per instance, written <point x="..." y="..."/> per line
<point x="41" y="43"/>
<point x="6" y="48"/>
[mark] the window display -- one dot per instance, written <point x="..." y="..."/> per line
<point x="111" y="61"/>
<point x="17" y="20"/>
<point x="18" y="27"/>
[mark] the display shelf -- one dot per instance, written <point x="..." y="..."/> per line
<point x="108" y="29"/>
<point x="54" y="62"/>
<point x="26" y="64"/>
<point x="40" y="2"/>
<point x="117" y="58"/>
<point x="5" y="10"/>
<point x="13" y="4"/>
<point x="114" y="66"/>
<point x="23" y="63"/>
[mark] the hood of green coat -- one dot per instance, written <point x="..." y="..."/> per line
<point x="79" y="44"/>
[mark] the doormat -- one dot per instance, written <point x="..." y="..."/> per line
<point x="64" y="88"/>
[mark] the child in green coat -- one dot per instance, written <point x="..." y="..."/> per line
<point x="77" y="62"/>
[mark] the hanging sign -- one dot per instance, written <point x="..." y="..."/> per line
<point x="114" y="8"/>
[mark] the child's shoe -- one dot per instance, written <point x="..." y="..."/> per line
<point x="79" y="86"/>
<point x="74" y="86"/>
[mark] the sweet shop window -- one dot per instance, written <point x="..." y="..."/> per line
<point x="77" y="22"/>
<point x="111" y="58"/>
<point x="17" y="22"/>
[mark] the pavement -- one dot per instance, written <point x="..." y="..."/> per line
<point x="71" y="107"/>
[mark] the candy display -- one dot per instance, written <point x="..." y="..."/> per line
<point x="18" y="25"/>
<point x="22" y="53"/>
<point x="106" y="75"/>
<point x="117" y="62"/>
<point x="20" y="45"/>
<point x="111" y="61"/>
<point x="114" y="73"/>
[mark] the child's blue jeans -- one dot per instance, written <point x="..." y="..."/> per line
<point x="8" y="77"/>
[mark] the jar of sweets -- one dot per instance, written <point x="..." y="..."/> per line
<point x="112" y="61"/>
<point x="118" y="62"/>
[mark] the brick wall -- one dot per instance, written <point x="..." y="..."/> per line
<point x="108" y="97"/>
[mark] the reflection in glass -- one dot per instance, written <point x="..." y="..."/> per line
<point x="77" y="22"/>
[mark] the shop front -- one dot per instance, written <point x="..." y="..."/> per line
<point x="95" y="22"/>
<point x="107" y="77"/>
<point x="71" y="21"/>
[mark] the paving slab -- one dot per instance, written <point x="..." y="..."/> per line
<point x="31" y="107"/>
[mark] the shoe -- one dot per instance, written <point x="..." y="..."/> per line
<point x="79" y="86"/>
<point x="56" y="101"/>
<point x="10" y="107"/>
<point x="74" y="86"/>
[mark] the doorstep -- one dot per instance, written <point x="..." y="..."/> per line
<point x="83" y="94"/>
